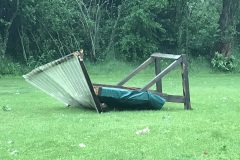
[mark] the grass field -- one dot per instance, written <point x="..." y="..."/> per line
<point x="39" y="127"/>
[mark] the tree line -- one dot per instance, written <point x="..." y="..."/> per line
<point x="35" y="32"/>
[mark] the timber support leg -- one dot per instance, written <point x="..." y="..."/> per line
<point x="185" y="83"/>
<point x="157" y="71"/>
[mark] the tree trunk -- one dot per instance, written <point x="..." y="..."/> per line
<point x="182" y="17"/>
<point x="227" y="27"/>
<point x="6" y="25"/>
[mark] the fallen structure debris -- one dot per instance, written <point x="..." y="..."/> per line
<point x="67" y="80"/>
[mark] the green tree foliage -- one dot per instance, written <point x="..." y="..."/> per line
<point x="35" y="32"/>
<point x="50" y="29"/>
<point x="8" y="12"/>
<point x="203" y="26"/>
<point x="140" y="29"/>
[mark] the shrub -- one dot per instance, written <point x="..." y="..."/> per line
<point x="223" y="63"/>
<point x="8" y="67"/>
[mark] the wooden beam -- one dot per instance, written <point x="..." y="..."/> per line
<point x="168" y="56"/>
<point x="172" y="98"/>
<point x="157" y="71"/>
<point x="115" y="86"/>
<point x="96" y="101"/>
<point x="137" y="70"/>
<point x="185" y="82"/>
<point x="160" y="75"/>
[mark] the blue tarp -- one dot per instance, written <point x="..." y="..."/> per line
<point x="116" y="98"/>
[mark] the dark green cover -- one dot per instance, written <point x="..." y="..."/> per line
<point x="116" y="98"/>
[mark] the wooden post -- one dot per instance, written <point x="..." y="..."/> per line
<point x="157" y="71"/>
<point x="185" y="82"/>
<point x="95" y="99"/>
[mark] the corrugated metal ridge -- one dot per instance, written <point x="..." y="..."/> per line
<point x="49" y="65"/>
<point x="66" y="80"/>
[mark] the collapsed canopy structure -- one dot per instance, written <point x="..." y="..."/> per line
<point x="67" y="80"/>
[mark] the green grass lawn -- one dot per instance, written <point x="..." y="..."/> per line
<point x="39" y="127"/>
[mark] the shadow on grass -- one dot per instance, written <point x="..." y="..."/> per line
<point x="81" y="110"/>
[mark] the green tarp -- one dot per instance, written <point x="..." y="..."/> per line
<point x="116" y="98"/>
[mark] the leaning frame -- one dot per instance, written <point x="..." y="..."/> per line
<point x="178" y="60"/>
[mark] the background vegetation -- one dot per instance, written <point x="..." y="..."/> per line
<point x="35" y="32"/>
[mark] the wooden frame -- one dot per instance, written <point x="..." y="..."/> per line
<point x="178" y="60"/>
<point x="156" y="57"/>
